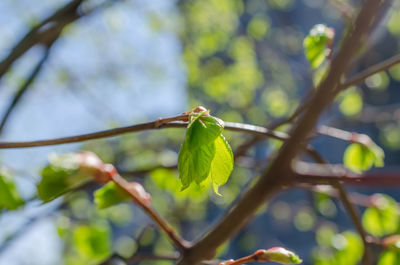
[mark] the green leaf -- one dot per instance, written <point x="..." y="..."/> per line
<point x="93" y="242"/>
<point x="109" y="195"/>
<point x="316" y="44"/>
<point x="10" y="199"/>
<point x="222" y="164"/>
<point x="349" y="247"/>
<point x="346" y="249"/>
<point x="194" y="164"/>
<point x="204" y="152"/>
<point x="57" y="181"/>
<point x="358" y="157"/>
<point x="280" y="255"/>
<point x="383" y="218"/>
<point x="203" y="130"/>
<point x="60" y="176"/>
<point x="389" y="258"/>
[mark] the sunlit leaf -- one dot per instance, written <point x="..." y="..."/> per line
<point x="56" y="181"/>
<point x="316" y="44"/>
<point x="204" y="153"/>
<point x="203" y="131"/>
<point x="389" y="258"/>
<point x="383" y="217"/>
<point x="349" y="247"/>
<point x="109" y="195"/>
<point x="94" y="241"/>
<point x="10" y="198"/>
<point x="280" y="255"/>
<point x="222" y="163"/>
<point x="359" y="158"/>
<point x="194" y="164"/>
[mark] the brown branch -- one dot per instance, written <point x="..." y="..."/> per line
<point x="48" y="30"/>
<point x="243" y="148"/>
<point x="375" y="179"/>
<point x="356" y="221"/>
<point x="24" y="87"/>
<point x="353" y="81"/>
<point x="352" y="137"/>
<point x="41" y="33"/>
<point x="277" y="173"/>
<point x="122" y="183"/>
<point x="158" y="124"/>
<point x="360" y="77"/>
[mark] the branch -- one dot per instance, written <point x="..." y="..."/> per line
<point x="125" y="185"/>
<point x="41" y="33"/>
<point x="157" y="124"/>
<point x="351" y="137"/>
<point x="278" y="171"/>
<point x="48" y="30"/>
<point x="25" y="86"/>
<point x="317" y="175"/>
<point x="353" y="81"/>
<point x="356" y="221"/>
<point x="360" y="77"/>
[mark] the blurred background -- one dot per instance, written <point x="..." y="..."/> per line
<point x="131" y="61"/>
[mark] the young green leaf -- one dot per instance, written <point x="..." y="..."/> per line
<point x="93" y="242"/>
<point x="204" y="152"/>
<point x="10" y="199"/>
<point x="389" y="258"/>
<point x="316" y="44"/>
<point x="194" y="163"/>
<point x="109" y="195"/>
<point x="203" y="131"/>
<point x="222" y="164"/>
<point x="56" y="181"/>
<point x="383" y="217"/>
<point x="278" y="255"/>
<point x="359" y="158"/>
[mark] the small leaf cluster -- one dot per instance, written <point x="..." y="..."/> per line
<point x="10" y="198"/>
<point x="317" y="44"/>
<point x="205" y="152"/>
<point x="360" y="157"/>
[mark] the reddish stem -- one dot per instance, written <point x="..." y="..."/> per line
<point x="122" y="183"/>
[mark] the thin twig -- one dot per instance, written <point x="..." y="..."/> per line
<point x="360" y="77"/>
<point x="122" y="183"/>
<point x="25" y="86"/>
<point x="158" y="124"/>
<point x="377" y="179"/>
<point x="356" y="221"/>
<point x="60" y="18"/>
<point x="48" y="29"/>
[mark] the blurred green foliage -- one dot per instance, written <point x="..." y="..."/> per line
<point x="10" y="198"/>
<point x="383" y="217"/>
<point x="242" y="61"/>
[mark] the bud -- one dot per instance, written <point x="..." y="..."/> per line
<point x="91" y="165"/>
<point x="137" y="189"/>
<point x="279" y="255"/>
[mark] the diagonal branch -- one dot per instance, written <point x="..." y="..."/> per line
<point x="25" y="86"/>
<point x="122" y="183"/>
<point x="48" y="28"/>
<point x="278" y="171"/>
